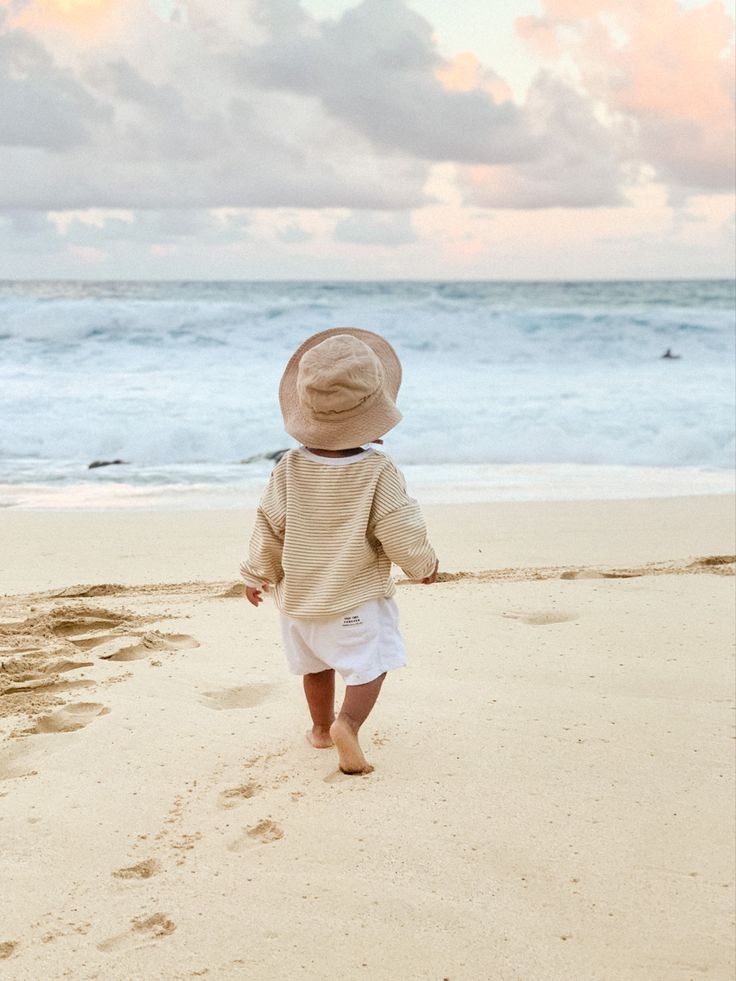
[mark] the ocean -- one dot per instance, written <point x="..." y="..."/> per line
<point x="512" y="390"/>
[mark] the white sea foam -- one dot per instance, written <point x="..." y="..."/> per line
<point x="181" y="378"/>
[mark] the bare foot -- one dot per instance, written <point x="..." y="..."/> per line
<point x="319" y="737"/>
<point x="348" y="748"/>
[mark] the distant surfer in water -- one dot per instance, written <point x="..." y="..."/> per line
<point x="670" y="356"/>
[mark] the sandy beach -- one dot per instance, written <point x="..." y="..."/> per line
<point x="553" y="794"/>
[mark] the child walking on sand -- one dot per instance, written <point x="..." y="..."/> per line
<point x="332" y="519"/>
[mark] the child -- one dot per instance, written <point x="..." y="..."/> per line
<point x="332" y="519"/>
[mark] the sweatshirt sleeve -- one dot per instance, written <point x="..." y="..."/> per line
<point x="398" y="524"/>
<point x="263" y="564"/>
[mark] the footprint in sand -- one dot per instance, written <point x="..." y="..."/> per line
<point x="133" y="647"/>
<point x="236" y="795"/>
<point x="69" y="718"/>
<point x="152" y="927"/>
<point x="70" y="625"/>
<point x="51" y="666"/>
<point x="248" y="696"/>
<point x="41" y="685"/>
<point x="85" y="643"/>
<point x="265" y="831"/>
<point x="143" y="870"/>
<point x="7" y="949"/>
<point x="540" y="619"/>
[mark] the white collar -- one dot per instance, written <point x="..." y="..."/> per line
<point x="336" y="461"/>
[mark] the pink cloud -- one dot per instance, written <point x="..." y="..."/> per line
<point x="85" y="19"/>
<point x="464" y="73"/>
<point x="667" y="69"/>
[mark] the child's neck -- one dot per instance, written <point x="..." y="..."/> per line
<point x="333" y="453"/>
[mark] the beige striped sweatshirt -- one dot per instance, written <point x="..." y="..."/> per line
<point x="327" y="530"/>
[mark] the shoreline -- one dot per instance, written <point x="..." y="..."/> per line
<point x="433" y="484"/>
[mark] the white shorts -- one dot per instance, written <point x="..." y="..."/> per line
<point x="359" y="645"/>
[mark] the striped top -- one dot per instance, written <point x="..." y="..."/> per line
<point x="327" y="530"/>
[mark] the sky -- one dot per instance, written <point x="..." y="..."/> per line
<point x="366" y="139"/>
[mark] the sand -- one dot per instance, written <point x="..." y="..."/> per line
<point x="553" y="792"/>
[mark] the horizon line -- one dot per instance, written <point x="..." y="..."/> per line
<point x="346" y="280"/>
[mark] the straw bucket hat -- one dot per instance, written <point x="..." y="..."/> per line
<point x="339" y="387"/>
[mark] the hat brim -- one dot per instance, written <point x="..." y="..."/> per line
<point x="377" y="419"/>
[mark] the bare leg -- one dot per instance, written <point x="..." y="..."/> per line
<point x="359" y="700"/>
<point x="320" y="691"/>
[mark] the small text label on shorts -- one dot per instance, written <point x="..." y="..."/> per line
<point x="351" y="621"/>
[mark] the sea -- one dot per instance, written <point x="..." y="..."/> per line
<point x="511" y="391"/>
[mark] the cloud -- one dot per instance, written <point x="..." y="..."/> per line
<point x="259" y="104"/>
<point x="150" y="117"/>
<point x="464" y="73"/>
<point x="156" y="120"/>
<point x="665" y="69"/>
<point x="378" y="70"/>
<point x="580" y="164"/>
<point x="95" y="226"/>
<point x="42" y="105"/>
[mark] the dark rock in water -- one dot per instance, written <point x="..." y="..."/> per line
<point x="275" y="456"/>
<point x="105" y="463"/>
